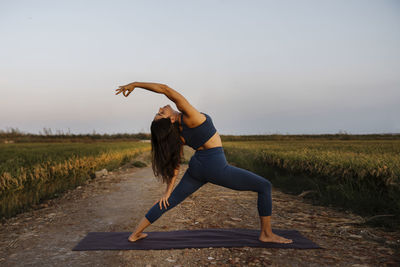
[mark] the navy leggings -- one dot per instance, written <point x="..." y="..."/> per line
<point x="210" y="165"/>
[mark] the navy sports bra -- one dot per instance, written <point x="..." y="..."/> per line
<point x="197" y="136"/>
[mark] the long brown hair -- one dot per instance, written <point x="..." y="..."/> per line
<point x="166" y="148"/>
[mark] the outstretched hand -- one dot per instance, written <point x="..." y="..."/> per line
<point x="125" y="89"/>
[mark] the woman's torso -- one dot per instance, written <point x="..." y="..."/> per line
<point x="214" y="141"/>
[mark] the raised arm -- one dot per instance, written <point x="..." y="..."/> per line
<point x="180" y="101"/>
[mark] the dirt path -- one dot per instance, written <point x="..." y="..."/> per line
<point x="118" y="201"/>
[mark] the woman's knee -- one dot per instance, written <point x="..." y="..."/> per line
<point x="266" y="186"/>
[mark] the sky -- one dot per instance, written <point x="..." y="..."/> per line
<point x="256" y="67"/>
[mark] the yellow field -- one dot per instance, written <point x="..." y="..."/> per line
<point x="380" y="159"/>
<point x="362" y="175"/>
<point x="32" y="172"/>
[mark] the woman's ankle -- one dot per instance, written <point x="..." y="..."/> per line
<point x="267" y="232"/>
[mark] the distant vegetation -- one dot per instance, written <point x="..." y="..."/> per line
<point x="14" y="135"/>
<point x="338" y="136"/>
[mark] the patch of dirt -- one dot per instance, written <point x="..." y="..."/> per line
<point x="119" y="200"/>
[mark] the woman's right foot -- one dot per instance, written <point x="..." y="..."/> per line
<point x="274" y="238"/>
<point x="134" y="238"/>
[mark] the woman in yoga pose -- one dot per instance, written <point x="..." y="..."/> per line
<point x="170" y="130"/>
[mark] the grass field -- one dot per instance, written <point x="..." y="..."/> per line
<point x="358" y="174"/>
<point x="361" y="175"/>
<point x="31" y="172"/>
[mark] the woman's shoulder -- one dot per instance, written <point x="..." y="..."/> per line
<point x="194" y="119"/>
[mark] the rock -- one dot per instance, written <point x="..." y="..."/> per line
<point x="306" y="192"/>
<point x="370" y="236"/>
<point x="101" y="173"/>
<point x="201" y="219"/>
<point x="266" y="252"/>
<point x="170" y="260"/>
<point x="229" y="223"/>
<point x="361" y="258"/>
<point x="236" y="219"/>
<point x="210" y="258"/>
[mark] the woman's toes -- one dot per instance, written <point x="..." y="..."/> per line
<point x="288" y="241"/>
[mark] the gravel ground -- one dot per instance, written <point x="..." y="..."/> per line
<point x="46" y="235"/>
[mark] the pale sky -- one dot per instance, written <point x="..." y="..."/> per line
<point x="256" y="67"/>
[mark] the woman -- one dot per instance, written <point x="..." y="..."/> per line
<point x="170" y="130"/>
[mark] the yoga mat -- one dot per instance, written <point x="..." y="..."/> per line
<point x="180" y="239"/>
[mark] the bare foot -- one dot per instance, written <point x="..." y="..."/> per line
<point x="274" y="238"/>
<point x="133" y="237"/>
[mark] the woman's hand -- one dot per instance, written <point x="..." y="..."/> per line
<point x="126" y="89"/>
<point x="164" y="200"/>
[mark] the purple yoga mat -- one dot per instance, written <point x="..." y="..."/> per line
<point x="180" y="239"/>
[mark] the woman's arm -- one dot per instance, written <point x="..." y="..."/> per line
<point x="164" y="199"/>
<point x="170" y="186"/>
<point x="181" y="103"/>
<point x="154" y="87"/>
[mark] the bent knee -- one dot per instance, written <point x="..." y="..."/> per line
<point x="266" y="186"/>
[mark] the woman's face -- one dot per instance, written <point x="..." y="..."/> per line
<point x="164" y="112"/>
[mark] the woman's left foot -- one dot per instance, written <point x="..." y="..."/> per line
<point x="274" y="238"/>
<point x="133" y="237"/>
